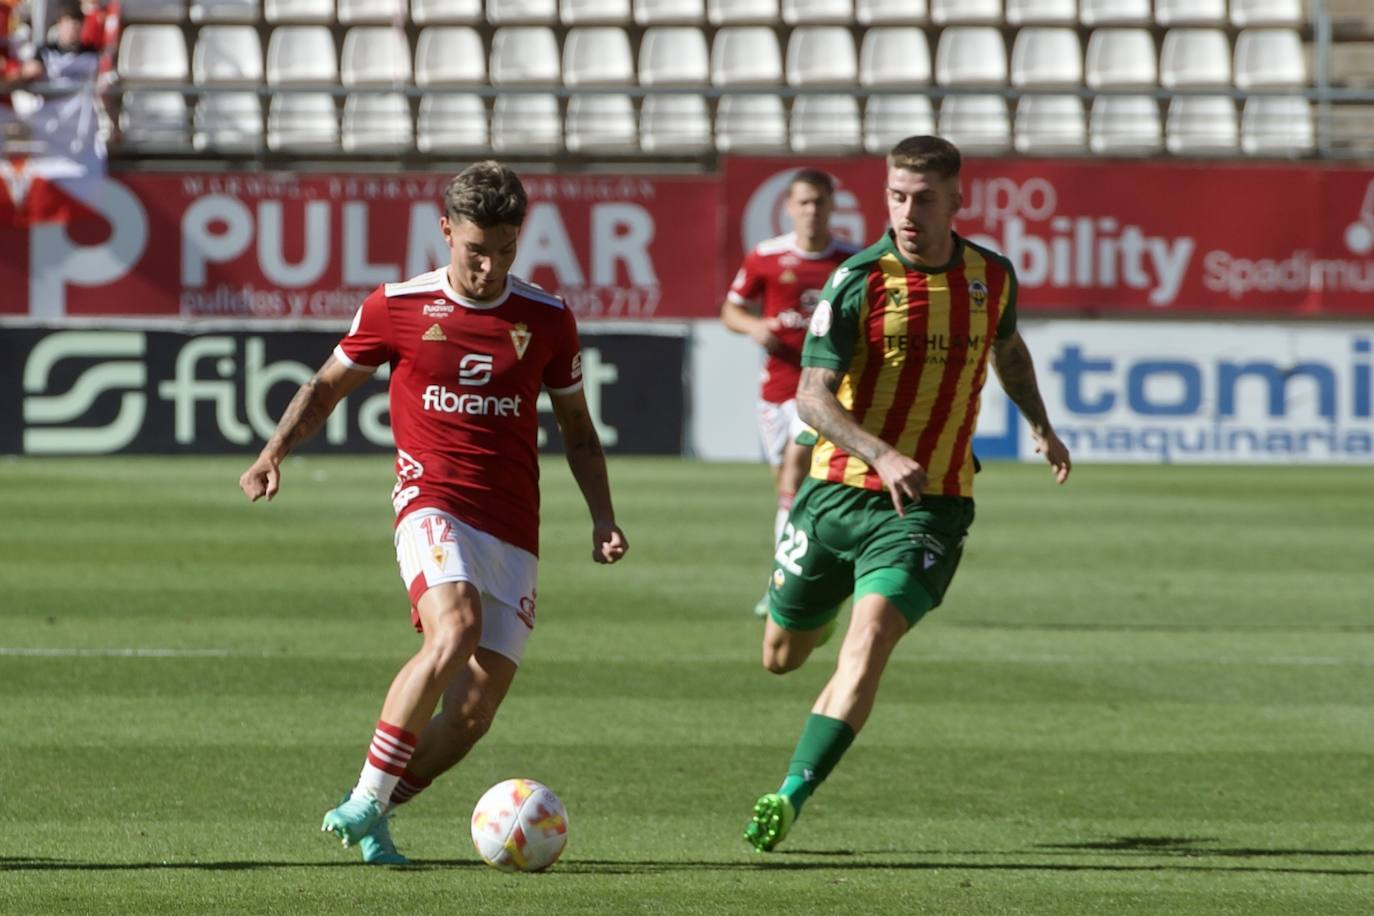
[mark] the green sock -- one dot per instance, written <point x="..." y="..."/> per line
<point x="823" y="742"/>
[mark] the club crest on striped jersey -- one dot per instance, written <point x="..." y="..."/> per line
<point x="520" y="336"/>
<point x="821" y="318"/>
<point x="978" y="294"/>
<point x="434" y="333"/>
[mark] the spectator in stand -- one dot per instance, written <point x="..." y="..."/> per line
<point x="66" y="60"/>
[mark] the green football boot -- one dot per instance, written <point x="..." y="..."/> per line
<point x="773" y="817"/>
<point x="352" y="820"/>
<point x="377" y="846"/>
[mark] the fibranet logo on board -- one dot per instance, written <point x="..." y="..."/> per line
<point x="1050" y="249"/>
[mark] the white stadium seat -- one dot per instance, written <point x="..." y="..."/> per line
<point x="890" y="12"/>
<point x="971" y="56"/>
<point x="525" y="56"/>
<point x="1125" y="125"/>
<point x="966" y="12"/>
<point x="1050" y="125"/>
<point x="1121" y="58"/>
<point x="1270" y="59"/>
<point x="670" y="12"/>
<point x="522" y="12"/>
<point x="526" y="124"/>
<point x="303" y="122"/>
<point x="452" y="123"/>
<point x="821" y="55"/>
<point x="673" y="55"/>
<point x="375" y="55"/>
<point x="449" y="55"/>
<point x="377" y="12"/>
<point x="601" y="124"/>
<point x="152" y="10"/>
<point x="598" y="56"/>
<point x="977" y="124"/>
<point x="298" y="10"/>
<point x="377" y="122"/>
<point x="825" y="124"/>
<point x="751" y="123"/>
<point x="1047" y="56"/>
<point x="890" y="118"/>
<point x="300" y="54"/>
<point x="228" y="122"/>
<point x="894" y="56"/>
<point x="225" y="11"/>
<point x="1202" y="126"/>
<point x="1249" y="13"/>
<point x="227" y="55"/>
<point x="445" y="12"/>
<point x="672" y="124"/>
<point x="1195" y="59"/>
<point x="594" y="12"/>
<point x="746" y="56"/>
<point x="152" y="54"/>
<point x="1042" y="12"/>
<point x="817" y="12"/>
<point x="153" y="121"/>
<point x="742" y="12"/>
<point x="1277" y="126"/>
<point x="1170" y="13"/>
<point x="1093" y="13"/>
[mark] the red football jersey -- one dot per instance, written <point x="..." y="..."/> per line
<point x="465" y="382"/>
<point x="785" y="283"/>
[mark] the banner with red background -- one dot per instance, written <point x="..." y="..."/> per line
<point x="1136" y="237"/>
<point x="1087" y="237"/>
<point x="312" y="246"/>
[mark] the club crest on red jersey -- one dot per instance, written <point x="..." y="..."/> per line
<point x="520" y="336"/>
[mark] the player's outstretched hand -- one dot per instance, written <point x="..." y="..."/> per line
<point x="261" y="479"/>
<point x="1056" y="453"/>
<point x="904" y="478"/>
<point x="608" y="542"/>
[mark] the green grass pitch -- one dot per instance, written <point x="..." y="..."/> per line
<point x="1150" y="691"/>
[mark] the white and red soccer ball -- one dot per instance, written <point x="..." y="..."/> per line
<point x="519" y="825"/>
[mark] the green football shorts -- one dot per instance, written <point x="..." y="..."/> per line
<point x="843" y="540"/>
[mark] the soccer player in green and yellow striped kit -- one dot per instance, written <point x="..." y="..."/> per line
<point x="895" y="358"/>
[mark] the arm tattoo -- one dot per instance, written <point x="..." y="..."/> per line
<point x="1016" y="370"/>
<point x="303" y="416"/>
<point x="586" y="460"/>
<point x="818" y="406"/>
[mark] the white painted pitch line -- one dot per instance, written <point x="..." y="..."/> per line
<point x="35" y="652"/>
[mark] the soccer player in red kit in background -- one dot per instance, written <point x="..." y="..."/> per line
<point x="470" y="347"/>
<point x="771" y="299"/>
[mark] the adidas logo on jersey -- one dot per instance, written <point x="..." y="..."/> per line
<point x="434" y="333"/>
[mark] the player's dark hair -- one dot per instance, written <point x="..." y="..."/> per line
<point x="817" y="179"/>
<point x="70" y="11"/>
<point x="926" y="154"/>
<point x="486" y="193"/>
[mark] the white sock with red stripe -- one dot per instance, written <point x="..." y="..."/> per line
<point x="408" y="787"/>
<point x="386" y="760"/>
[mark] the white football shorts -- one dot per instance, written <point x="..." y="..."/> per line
<point x="778" y="425"/>
<point x="433" y="547"/>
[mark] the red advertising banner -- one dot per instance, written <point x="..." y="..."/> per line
<point x="312" y="246"/>
<point x="1087" y="237"/>
<point x="1109" y="237"/>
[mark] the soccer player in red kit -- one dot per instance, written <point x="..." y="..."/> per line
<point x="470" y="347"/>
<point x="771" y="299"/>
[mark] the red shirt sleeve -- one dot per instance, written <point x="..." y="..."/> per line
<point x="563" y="374"/>
<point x="368" y="343"/>
<point x="748" y="283"/>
